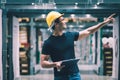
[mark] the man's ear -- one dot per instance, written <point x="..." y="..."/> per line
<point x="56" y="24"/>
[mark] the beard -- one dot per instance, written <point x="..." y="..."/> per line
<point x="63" y="26"/>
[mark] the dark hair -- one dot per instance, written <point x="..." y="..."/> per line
<point x="57" y="20"/>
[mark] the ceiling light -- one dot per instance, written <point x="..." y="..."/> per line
<point x="55" y="7"/>
<point x="88" y="15"/>
<point x="76" y="5"/>
<point x="98" y="3"/>
<point x="43" y="15"/>
<point x="33" y="3"/>
<point x="95" y="6"/>
<point x="81" y="26"/>
<point x="72" y="15"/>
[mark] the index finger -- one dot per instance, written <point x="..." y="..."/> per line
<point x="112" y="15"/>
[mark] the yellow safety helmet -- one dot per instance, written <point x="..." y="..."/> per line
<point x="51" y="17"/>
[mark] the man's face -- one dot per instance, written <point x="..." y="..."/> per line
<point x="62" y="23"/>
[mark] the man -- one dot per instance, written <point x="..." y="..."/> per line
<point x="60" y="46"/>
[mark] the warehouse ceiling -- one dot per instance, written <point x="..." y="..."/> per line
<point x="58" y="1"/>
<point x="34" y="9"/>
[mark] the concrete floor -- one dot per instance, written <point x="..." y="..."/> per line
<point x="87" y="73"/>
<point x="48" y="75"/>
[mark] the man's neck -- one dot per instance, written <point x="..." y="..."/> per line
<point x="57" y="33"/>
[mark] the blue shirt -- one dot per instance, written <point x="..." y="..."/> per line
<point x="62" y="48"/>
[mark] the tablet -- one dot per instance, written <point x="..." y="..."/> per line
<point x="70" y="62"/>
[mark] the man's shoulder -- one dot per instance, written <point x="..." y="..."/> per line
<point x="71" y="32"/>
<point x="47" y="41"/>
<point x="68" y="32"/>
